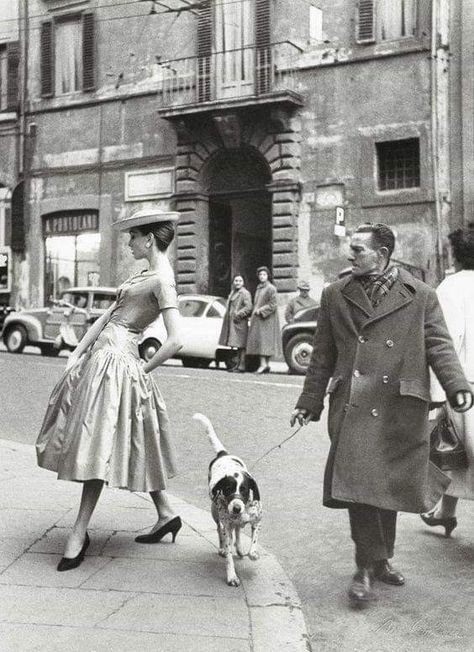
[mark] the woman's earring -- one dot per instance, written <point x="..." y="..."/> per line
<point x="148" y="245"/>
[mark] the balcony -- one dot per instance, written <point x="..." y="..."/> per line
<point x="230" y="79"/>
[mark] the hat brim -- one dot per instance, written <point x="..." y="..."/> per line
<point x="142" y="219"/>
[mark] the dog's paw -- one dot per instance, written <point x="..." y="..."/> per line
<point x="221" y="552"/>
<point x="233" y="581"/>
<point x="240" y="552"/>
<point x="254" y="555"/>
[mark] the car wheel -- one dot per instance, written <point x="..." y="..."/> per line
<point x="16" y="339"/>
<point x="298" y="352"/>
<point x="148" y="348"/>
<point x="196" y="363"/>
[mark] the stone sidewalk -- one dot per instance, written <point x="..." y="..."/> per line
<point x="164" y="597"/>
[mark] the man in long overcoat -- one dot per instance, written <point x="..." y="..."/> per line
<point x="379" y="330"/>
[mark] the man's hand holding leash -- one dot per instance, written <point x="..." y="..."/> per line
<point x="302" y="416"/>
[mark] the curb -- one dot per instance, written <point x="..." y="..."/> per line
<point x="276" y="620"/>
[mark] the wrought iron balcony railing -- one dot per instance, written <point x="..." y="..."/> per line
<point x="228" y="75"/>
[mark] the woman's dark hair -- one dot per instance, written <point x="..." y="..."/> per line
<point x="382" y="235"/>
<point x="234" y="276"/>
<point x="263" y="269"/>
<point x="462" y="244"/>
<point x="163" y="232"/>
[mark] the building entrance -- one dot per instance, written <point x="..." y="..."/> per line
<point x="240" y="220"/>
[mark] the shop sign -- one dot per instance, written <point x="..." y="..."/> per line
<point x="71" y="223"/>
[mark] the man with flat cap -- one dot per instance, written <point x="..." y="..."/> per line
<point x="302" y="300"/>
<point x="379" y="330"/>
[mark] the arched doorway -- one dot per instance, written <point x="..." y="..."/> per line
<point x="240" y="217"/>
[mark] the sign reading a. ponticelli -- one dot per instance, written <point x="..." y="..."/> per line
<point x="5" y="269"/>
<point x="70" y="222"/>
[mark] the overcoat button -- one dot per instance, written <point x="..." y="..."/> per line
<point x="374" y="413"/>
<point x="385" y="379"/>
<point x="389" y="343"/>
<point x="362" y="339"/>
<point x="356" y="373"/>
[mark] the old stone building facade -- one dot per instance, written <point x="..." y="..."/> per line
<point x="264" y="122"/>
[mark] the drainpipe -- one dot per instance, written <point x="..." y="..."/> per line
<point x="24" y="30"/>
<point x="439" y="126"/>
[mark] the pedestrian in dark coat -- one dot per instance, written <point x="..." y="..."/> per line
<point x="235" y="326"/>
<point x="264" y="332"/>
<point x="378" y="332"/>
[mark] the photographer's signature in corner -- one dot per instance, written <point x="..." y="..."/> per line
<point x="420" y="627"/>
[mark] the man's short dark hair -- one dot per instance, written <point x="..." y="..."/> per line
<point x="382" y="235"/>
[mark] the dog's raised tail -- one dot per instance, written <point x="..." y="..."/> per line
<point x="211" y="433"/>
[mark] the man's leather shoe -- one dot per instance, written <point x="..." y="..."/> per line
<point x="360" y="590"/>
<point x="384" y="572"/>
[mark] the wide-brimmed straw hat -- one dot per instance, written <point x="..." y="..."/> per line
<point x="146" y="216"/>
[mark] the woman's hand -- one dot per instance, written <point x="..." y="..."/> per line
<point x="72" y="360"/>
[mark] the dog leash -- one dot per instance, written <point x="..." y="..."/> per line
<point x="276" y="446"/>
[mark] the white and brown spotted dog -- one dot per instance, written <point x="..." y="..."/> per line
<point x="235" y="502"/>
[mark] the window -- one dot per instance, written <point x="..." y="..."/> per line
<point x="315" y="23"/>
<point x="398" y="164"/>
<point x="395" y="19"/>
<point x="216" y="310"/>
<point x="191" y="307"/>
<point x="67" y="55"/>
<point x="68" y="59"/>
<point x="386" y="20"/>
<point x="102" y="301"/>
<point x="3" y="77"/>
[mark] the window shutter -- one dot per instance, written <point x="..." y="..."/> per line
<point x="264" y="51"/>
<point x="366" y="21"/>
<point x="47" y="59"/>
<point x="88" y="52"/>
<point x="13" y="60"/>
<point x="204" y="50"/>
<point x="17" y="233"/>
<point x="262" y="23"/>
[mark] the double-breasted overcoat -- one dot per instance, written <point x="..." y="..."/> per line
<point x="378" y="361"/>
<point x="235" y="326"/>
<point x="264" y="331"/>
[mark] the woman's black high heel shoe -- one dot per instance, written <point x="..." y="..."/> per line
<point x="68" y="563"/>
<point x="171" y="527"/>
<point x="448" y="523"/>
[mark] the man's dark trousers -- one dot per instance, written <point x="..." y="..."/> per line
<point x="373" y="531"/>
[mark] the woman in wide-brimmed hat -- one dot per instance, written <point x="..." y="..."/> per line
<point x="106" y="420"/>
<point x="264" y="331"/>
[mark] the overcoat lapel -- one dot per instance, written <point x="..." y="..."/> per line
<point x="355" y="294"/>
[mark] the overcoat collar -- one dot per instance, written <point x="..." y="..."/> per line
<point x="399" y="296"/>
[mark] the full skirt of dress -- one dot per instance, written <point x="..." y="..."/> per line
<point x="107" y="420"/>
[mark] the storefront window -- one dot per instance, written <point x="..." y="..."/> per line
<point x="71" y="260"/>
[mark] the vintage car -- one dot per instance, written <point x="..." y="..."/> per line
<point x="59" y="325"/>
<point x="64" y="322"/>
<point x="201" y="323"/>
<point x="297" y="339"/>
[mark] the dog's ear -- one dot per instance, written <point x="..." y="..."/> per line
<point x="224" y="487"/>
<point x="253" y="487"/>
